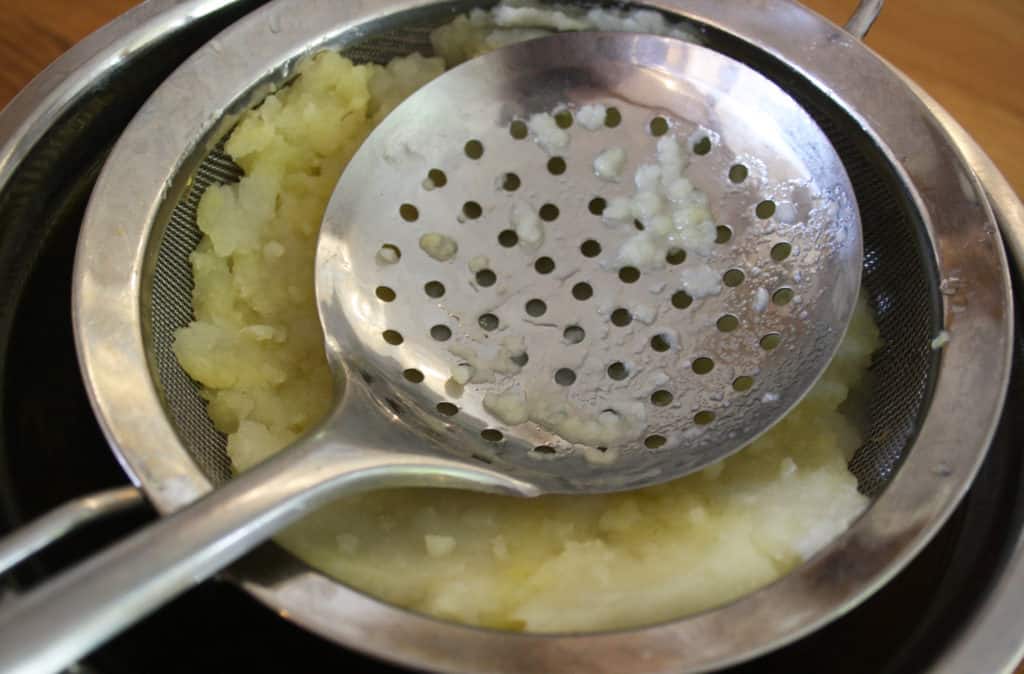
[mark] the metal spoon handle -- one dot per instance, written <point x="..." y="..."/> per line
<point x="52" y="626"/>
<point x="61" y="521"/>
<point x="863" y="17"/>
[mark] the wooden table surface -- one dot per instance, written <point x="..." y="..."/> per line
<point x="968" y="54"/>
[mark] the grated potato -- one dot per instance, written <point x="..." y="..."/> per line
<point x="548" y="564"/>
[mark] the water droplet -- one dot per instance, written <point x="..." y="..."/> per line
<point x="942" y="469"/>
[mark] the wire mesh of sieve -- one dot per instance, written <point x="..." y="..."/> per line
<point x="897" y="279"/>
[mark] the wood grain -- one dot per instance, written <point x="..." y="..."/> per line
<point x="967" y="53"/>
<point x="35" y="32"/>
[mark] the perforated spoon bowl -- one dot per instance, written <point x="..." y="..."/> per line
<point x="534" y="341"/>
<point x="478" y="263"/>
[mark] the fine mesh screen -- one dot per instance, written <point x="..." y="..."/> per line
<point x="897" y="278"/>
<point x="171" y="307"/>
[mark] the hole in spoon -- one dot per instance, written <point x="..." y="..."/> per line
<point x="702" y="146"/>
<point x="536" y="308"/>
<point x="782" y="297"/>
<point x="743" y="383"/>
<point x="436" y="178"/>
<point x="765" y="209"/>
<point x="661" y="398"/>
<point x="574" y="334"/>
<point x="658" y="126"/>
<point x="728" y="323"/>
<point x="618" y="371"/>
<point x="629" y="274"/>
<point x="544" y="265"/>
<point x="590" y="248"/>
<point x="548" y="212"/>
<point x="492" y="435"/>
<point x="409" y="212"/>
<point x="489" y="322"/>
<point x="485" y="278"/>
<point x="661" y="343"/>
<point x="681" y="299"/>
<point x="781" y="251"/>
<point x="508" y="238"/>
<point x="703" y="365"/>
<point x="565" y="377"/>
<point x="621" y="317"/>
<point x="582" y="291"/>
<point x="733" y="278"/>
<point x="703" y="418"/>
<point x="474" y="149"/>
<point x="518" y="129"/>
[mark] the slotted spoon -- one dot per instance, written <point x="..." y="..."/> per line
<point x="454" y="376"/>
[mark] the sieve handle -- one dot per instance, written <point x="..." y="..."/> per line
<point x="50" y="627"/>
<point x="863" y="18"/>
<point x="54" y="525"/>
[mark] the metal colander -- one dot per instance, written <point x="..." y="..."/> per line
<point x="897" y="279"/>
<point x="932" y="260"/>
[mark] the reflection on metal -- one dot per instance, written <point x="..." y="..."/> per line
<point x="61" y="521"/>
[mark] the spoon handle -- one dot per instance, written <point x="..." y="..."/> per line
<point x="52" y="626"/>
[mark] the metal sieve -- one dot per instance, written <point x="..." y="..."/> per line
<point x="919" y="205"/>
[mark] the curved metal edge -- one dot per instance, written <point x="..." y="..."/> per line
<point x="36" y="107"/>
<point x="56" y="90"/>
<point x="863" y="18"/>
<point x="993" y="642"/>
<point x="1006" y="205"/>
<point x="62" y="520"/>
<point x="941" y="469"/>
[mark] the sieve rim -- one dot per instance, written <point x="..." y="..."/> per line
<point x="113" y="351"/>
